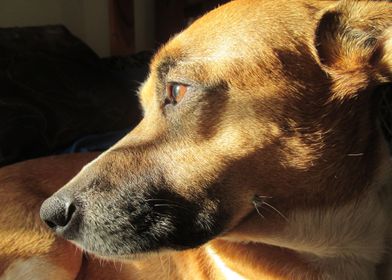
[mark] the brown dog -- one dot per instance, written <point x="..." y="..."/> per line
<point x="259" y="155"/>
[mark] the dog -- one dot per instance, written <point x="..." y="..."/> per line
<point x="259" y="156"/>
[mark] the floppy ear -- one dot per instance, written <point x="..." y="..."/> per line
<point x="354" y="45"/>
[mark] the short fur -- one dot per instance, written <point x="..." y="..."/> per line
<point x="272" y="166"/>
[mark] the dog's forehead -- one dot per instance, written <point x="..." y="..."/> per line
<point x="248" y="31"/>
<point x="223" y="34"/>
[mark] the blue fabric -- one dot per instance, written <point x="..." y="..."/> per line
<point x="95" y="142"/>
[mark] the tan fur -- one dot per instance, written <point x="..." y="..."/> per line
<point x="24" y="239"/>
<point x="280" y="133"/>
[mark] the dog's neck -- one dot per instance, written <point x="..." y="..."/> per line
<point x="319" y="244"/>
<point x="232" y="260"/>
<point x="334" y="242"/>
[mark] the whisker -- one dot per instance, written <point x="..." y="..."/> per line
<point x="169" y="266"/>
<point x="157" y="199"/>
<point x="115" y="267"/>
<point x="257" y="209"/>
<point x="163" y="200"/>
<point x="276" y="210"/>
<point x="355" y="155"/>
<point x="263" y="196"/>
<point x="171" y="205"/>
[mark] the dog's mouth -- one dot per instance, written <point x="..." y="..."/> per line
<point x="130" y="225"/>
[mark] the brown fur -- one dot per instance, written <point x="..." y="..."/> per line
<point x="23" y="188"/>
<point x="280" y="126"/>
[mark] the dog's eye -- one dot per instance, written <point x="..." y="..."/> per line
<point x="176" y="92"/>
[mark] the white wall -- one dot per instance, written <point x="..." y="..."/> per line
<point x="87" y="19"/>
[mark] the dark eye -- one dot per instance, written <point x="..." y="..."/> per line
<point x="176" y="92"/>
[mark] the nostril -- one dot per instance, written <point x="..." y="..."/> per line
<point x="57" y="212"/>
<point x="71" y="209"/>
<point x="50" y="224"/>
<point x="63" y="215"/>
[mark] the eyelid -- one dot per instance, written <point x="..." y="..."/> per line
<point x="178" y="79"/>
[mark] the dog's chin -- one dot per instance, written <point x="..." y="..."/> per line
<point x="133" y="241"/>
<point x="102" y="251"/>
<point x="133" y="250"/>
<point x="120" y="257"/>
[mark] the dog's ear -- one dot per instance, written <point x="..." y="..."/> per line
<point x="354" y="45"/>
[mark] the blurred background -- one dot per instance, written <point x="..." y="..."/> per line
<point x="70" y="69"/>
<point x="109" y="27"/>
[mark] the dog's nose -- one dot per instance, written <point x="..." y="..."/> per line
<point x="58" y="212"/>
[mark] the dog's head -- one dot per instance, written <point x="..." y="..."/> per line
<point x="256" y="102"/>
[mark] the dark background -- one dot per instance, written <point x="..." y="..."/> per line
<point x="58" y="96"/>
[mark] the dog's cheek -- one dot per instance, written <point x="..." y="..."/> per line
<point x="180" y="222"/>
<point x="191" y="231"/>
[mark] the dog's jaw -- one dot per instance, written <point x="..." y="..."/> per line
<point x="343" y="242"/>
<point x="342" y="248"/>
